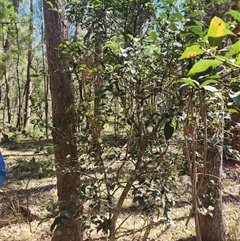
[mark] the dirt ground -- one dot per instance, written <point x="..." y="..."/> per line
<point x="30" y="188"/>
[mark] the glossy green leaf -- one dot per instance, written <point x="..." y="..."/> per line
<point x="173" y="27"/>
<point x="230" y="110"/>
<point x="197" y="31"/>
<point x="192" y="23"/>
<point x="153" y="36"/>
<point x="235" y="49"/>
<point x="235" y="81"/>
<point x="222" y="58"/>
<point x="168" y="130"/>
<point x="235" y="14"/>
<point x="238" y="60"/>
<point x="203" y="65"/>
<point x="178" y="16"/>
<point x="196" y="14"/>
<point x="188" y="81"/>
<point x="191" y="52"/>
<point x="111" y="44"/>
<point x="207" y="82"/>
<point x="214" y="77"/>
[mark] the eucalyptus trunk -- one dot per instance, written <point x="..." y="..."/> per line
<point x="64" y="124"/>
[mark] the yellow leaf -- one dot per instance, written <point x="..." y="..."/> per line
<point x="217" y="27"/>
<point x="217" y="31"/>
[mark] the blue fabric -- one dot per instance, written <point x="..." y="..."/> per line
<point x="2" y="170"/>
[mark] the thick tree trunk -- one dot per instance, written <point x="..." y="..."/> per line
<point x="62" y="93"/>
<point x="211" y="224"/>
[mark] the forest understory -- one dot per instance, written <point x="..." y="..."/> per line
<point x="30" y="188"/>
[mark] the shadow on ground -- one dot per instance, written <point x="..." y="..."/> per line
<point x="192" y="238"/>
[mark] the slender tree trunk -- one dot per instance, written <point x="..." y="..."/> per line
<point x="46" y="107"/>
<point x="5" y="76"/>
<point x="28" y="86"/>
<point x="64" y="123"/>
<point x="7" y="98"/>
<point x="99" y="34"/>
<point x="45" y="76"/>
<point x="19" y="113"/>
<point x="19" y="104"/>
<point x="97" y="80"/>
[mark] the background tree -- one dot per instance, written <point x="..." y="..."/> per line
<point x="8" y="36"/>
<point x="28" y="85"/>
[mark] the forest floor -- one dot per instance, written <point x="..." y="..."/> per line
<point x="30" y="188"/>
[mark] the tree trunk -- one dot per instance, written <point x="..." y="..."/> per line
<point x="62" y="93"/>
<point x="44" y="67"/>
<point x="19" y="112"/>
<point x="7" y="99"/>
<point x="28" y="86"/>
<point x="209" y="192"/>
